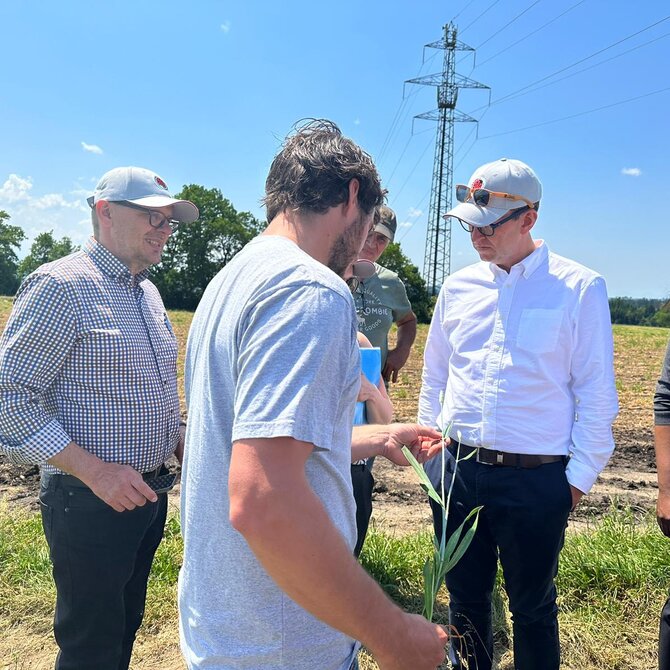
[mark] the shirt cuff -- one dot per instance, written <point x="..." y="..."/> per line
<point x="44" y="444"/>
<point x="580" y="475"/>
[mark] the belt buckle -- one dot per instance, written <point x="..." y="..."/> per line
<point x="499" y="457"/>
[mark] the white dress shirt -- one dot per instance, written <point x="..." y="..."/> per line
<point x="524" y="362"/>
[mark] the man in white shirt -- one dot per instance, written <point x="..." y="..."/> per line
<point x="519" y="363"/>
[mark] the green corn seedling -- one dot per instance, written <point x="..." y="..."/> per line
<point x="446" y="553"/>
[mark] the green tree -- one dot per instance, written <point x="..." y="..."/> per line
<point x="45" y="249"/>
<point x="10" y="240"/>
<point x="417" y="292"/>
<point x="197" y="251"/>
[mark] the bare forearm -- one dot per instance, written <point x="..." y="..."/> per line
<point x="294" y="539"/>
<point x="77" y="461"/>
<point x="662" y="447"/>
<point x="406" y="336"/>
<point x="368" y="441"/>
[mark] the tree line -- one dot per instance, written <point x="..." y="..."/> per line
<point x="192" y="255"/>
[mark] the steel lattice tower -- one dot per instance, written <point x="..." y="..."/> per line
<point x="437" y="257"/>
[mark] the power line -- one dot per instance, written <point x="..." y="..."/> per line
<point x="495" y="2"/>
<point x="590" y="67"/>
<point x="472" y="2"/>
<point x="508" y="24"/>
<point x="537" y="30"/>
<point x="388" y="140"/>
<point x="516" y="93"/>
<point x="574" y="116"/>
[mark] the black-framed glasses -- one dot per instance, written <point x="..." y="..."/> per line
<point x="156" y="219"/>
<point x="485" y="198"/>
<point x="487" y="231"/>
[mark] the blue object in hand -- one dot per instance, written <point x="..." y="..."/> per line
<point x="371" y="367"/>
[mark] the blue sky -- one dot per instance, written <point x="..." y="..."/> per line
<point x="204" y="92"/>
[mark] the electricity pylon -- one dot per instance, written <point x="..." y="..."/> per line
<point x="437" y="257"/>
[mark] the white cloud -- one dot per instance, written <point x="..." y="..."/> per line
<point x="51" y="200"/>
<point x="631" y="172"/>
<point x="405" y="224"/>
<point x="414" y="213"/>
<point x="225" y="27"/>
<point x="357" y="122"/>
<point x="15" y="188"/>
<point x="91" y="148"/>
<point x="64" y="214"/>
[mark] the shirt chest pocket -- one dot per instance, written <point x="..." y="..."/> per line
<point x="539" y="330"/>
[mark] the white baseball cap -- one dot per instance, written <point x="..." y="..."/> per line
<point x="144" y="188"/>
<point x="506" y="175"/>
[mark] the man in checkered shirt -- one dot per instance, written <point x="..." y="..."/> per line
<point x="88" y="390"/>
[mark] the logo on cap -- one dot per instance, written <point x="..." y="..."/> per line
<point x="160" y="182"/>
<point x="477" y="183"/>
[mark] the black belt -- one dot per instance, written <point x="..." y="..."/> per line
<point x="71" y="480"/>
<point x="505" y="458"/>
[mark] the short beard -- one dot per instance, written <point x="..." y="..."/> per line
<point x="347" y="246"/>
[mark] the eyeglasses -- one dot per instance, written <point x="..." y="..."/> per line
<point x="485" y="198"/>
<point x="487" y="231"/>
<point x="156" y="219"/>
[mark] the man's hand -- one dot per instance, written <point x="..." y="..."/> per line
<point x="395" y="360"/>
<point x="120" y="486"/>
<point x="663" y="513"/>
<point x="423" y="442"/>
<point x="420" y="646"/>
<point x="397" y="357"/>
<point x="576" y="496"/>
<point x="179" y="451"/>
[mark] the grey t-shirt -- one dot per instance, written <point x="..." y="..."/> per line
<point x="381" y="301"/>
<point x="272" y="352"/>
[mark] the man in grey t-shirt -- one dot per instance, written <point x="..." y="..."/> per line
<point x="272" y="375"/>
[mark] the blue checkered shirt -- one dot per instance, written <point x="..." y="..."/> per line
<point x="89" y="356"/>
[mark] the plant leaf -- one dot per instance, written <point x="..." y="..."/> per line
<point x="467" y="538"/>
<point x="423" y="477"/>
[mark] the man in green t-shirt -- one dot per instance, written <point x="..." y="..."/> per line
<point x="382" y="300"/>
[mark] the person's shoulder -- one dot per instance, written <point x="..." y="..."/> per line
<point x="272" y="264"/>
<point x="62" y="272"/>
<point x="466" y="274"/>
<point x="385" y="274"/>
<point x="67" y="267"/>
<point x="571" y="270"/>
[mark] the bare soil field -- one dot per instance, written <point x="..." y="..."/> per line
<point x="400" y="506"/>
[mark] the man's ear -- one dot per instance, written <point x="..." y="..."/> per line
<point x="528" y="221"/>
<point x="354" y="187"/>
<point x="103" y="212"/>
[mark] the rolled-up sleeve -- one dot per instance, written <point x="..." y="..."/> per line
<point x="40" y="333"/>
<point x="435" y="368"/>
<point x="593" y="387"/>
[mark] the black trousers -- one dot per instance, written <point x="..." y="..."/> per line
<point x="664" y="638"/>
<point x="522" y="524"/>
<point x="363" y="483"/>
<point x="101" y="563"/>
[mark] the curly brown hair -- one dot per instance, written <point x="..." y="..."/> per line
<point x="313" y="170"/>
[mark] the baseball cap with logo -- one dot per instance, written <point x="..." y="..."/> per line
<point x="387" y="222"/>
<point x="141" y="187"/>
<point x="506" y="175"/>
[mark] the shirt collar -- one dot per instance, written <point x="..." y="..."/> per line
<point x="529" y="264"/>
<point x="110" y="265"/>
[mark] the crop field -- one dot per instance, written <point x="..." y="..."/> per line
<point x="614" y="571"/>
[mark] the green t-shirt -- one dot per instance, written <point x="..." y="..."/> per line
<point x="380" y="302"/>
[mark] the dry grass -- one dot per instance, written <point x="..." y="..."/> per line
<point x="594" y="638"/>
